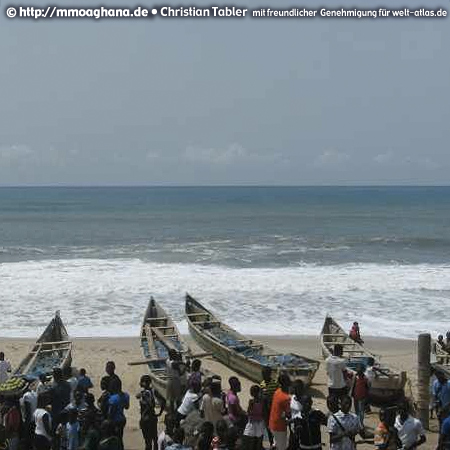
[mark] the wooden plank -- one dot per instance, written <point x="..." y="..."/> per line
<point x="336" y="335"/>
<point x="165" y="339"/>
<point x="50" y="350"/>
<point x="212" y="322"/>
<point x="354" y="351"/>
<point x="198" y="314"/>
<point x="149" y="319"/>
<point x="55" y="343"/>
<point x="146" y="361"/>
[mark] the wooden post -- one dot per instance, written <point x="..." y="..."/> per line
<point x="423" y="378"/>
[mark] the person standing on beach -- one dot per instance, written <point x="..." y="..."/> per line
<point x="118" y="402"/>
<point x="43" y="431"/>
<point x="306" y="428"/>
<point x="60" y="395"/>
<point x="84" y="382"/>
<point x="12" y="423"/>
<point x="360" y="393"/>
<point x="441" y="396"/>
<point x="212" y="405"/>
<point x="409" y="429"/>
<point x="111" y="376"/>
<point x="5" y="368"/>
<point x="336" y="371"/>
<point x="296" y="400"/>
<point x="68" y="374"/>
<point x="196" y="376"/>
<point x="236" y="414"/>
<point x="280" y="412"/>
<point x="385" y="435"/>
<point x="268" y="385"/>
<point x="173" y="391"/>
<point x="343" y="427"/>
<point x="254" y="430"/>
<point x="148" y="398"/>
<point x="444" y="435"/>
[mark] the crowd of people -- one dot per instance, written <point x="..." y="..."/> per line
<point x="199" y="413"/>
<point x="64" y="415"/>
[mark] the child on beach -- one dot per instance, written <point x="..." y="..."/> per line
<point x="84" y="382"/>
<point x="254" y="430"/>
<point x="149" y="419"/>
<point x="360" y="393"/>
<point x="268" y="386"/>
<point x="73" y="430"/>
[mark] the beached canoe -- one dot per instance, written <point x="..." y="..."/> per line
<point x="159" y="334"/>
<point x="387" y="385"/>
<point x="52" y="349"/>
<point x="240" y="353"/>
<point x="442" y="356"/>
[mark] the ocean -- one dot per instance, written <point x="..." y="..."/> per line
<point x="267" y="260"/>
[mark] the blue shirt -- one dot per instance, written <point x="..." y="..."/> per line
<point x="73" y="436"/>
<point x="441" y="392"/>
<point x="445" y="430"/>
<point x="117" y="404"/>
<point x="84" y="383"/>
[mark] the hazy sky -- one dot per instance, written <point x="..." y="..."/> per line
<point x="208" y="101"/>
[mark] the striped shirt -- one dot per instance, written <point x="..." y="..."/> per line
<point x="269" y="388"/>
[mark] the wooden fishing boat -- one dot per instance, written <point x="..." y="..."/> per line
<point x="442" y="357"/>
<point x="240" y="353"/>
<point x="159" y="334"/>
<point x="387" y="386"/>
<point x="52" y="349"/>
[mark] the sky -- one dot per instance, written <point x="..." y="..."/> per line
<point x="225" y="101"/>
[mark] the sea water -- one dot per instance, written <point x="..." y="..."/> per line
<point x="267" y="260"/>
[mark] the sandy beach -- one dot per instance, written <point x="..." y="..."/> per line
<point x="92" y="354"/>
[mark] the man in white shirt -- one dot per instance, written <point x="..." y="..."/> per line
<point x="409" y="430"/>
<point x="190" y="402"/>
<point x="5" y="368"/>
<point x="336" y="370"/>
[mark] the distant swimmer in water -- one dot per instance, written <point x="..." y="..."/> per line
<point x="355" y="333"/>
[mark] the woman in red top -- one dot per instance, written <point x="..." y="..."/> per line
<point x="280" y="412"/>
<point x="360" y="393"/>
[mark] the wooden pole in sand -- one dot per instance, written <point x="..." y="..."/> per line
<point x="423" y="378"/>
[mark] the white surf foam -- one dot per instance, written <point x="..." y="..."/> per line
<point x="108" y="297"/>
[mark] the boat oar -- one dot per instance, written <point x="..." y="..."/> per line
<point x="146" y="361"/>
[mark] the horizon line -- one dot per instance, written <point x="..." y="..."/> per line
<point x="15" y="186"/>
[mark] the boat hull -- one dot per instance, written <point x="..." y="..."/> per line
<point x="243" y="365"/>
<point x="384" y="389"/>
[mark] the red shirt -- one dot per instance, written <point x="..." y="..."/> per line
<point x="361" y="388"/>
<point x="281" y="407"/>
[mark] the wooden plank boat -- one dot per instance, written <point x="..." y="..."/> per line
<point x="441" y="355"/>
<point x="240" y="353"/>
<point x="387" y="386"/>
<point x="158" y="334"/>
<point x="52" y="349"/>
